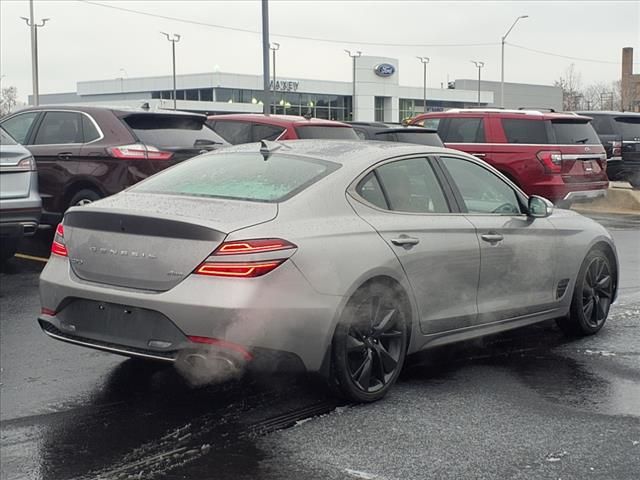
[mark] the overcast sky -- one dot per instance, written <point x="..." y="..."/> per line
<point x="85" y="41"/>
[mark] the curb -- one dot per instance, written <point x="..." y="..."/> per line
<point x="620" y="199"/>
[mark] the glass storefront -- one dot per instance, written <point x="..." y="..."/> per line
<point x="410" y="107"/>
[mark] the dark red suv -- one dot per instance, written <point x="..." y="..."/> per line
<point x="555" y="155"/>
<point x="251" y="127"/>
<point x="86" y="153"/>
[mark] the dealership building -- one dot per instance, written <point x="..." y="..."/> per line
<point x="379" y="96"/>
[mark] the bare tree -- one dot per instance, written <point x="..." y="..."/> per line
<point x="8" y="100"/>
<point x="570" y="83"/>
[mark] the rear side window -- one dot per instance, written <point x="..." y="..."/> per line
<point x="431" y="123"/>
<point x="172" y="131"/>
<point x="234" y="132"/>
<point x="333" y="133"/>
<point x="629" y="127"/>
<point x="18" y="127"/>
<point x="240" y="176"/>
<point x="89" y="130"/>
<point x="5" y="138"/>
<point x="525" y="131"/>
<point x="569" y="132"/>
<point x="465" y="130"/>
<point x="266" y="132"/>
<point x="602" y="125"/>
<point x="60" y="128"/>
<point x="370" y="190"/>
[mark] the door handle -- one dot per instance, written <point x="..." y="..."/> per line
<point x="64" y="155"/>
<point x="492" y="238"/>
<point x="404" y="240"/>
<point x="479" y="155"/>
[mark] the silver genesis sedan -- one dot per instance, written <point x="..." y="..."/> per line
<point x="337" y="256"/>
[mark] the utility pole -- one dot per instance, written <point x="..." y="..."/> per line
<point x="266" y="105"/>
<point x="504" y="38"/>
<point x="274" y="48"/>
<point x="479" y="65"/>
<point x="354" y="55"/>
<point x="34" y="51"/>
<point x="173" y="38"/>
<point x="424" y="61"/>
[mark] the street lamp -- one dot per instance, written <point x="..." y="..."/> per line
<point x="275" y="46"/>
<point x="479" y="66"/>
<point x="424" y="61"/>
<point x="34" y="51"/>
<point x="173" y="38"/>
<point x="504" y="38"/>
<point x="354" y="55"/>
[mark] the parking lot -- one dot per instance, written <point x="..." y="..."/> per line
<point x="527" y="404"/>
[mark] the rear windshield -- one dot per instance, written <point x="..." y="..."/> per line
<point x="430" y="139"/>
<point x="240" y="176"/>
<point x="570" y="132"/>
<point x="333" y="133"/>
<point x="6" y="139"/>
<point x="172" y="131"/>
<point x="629" y="127"/>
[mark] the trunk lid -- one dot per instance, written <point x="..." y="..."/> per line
<point x="15" y="177"/>
<point x="149" y="241"/>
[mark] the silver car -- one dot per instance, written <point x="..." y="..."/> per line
<point x="341" y="257"/>
<point x="20" y="204"/>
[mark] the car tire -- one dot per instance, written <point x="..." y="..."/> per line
<point x="370" y="343"/>
<point x="8" y="248"/>
<point x="84" y="197"/>
<point x="592" y="296"/>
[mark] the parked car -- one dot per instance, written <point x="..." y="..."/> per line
<point x="20" y="204"/>
<point x="396" y="133"/>
<point x="555" y="155"/>
<point x="86" y="153"/>
<point x="343" y="256"/>
<point x="248" y="128"/>
<point x="620" y="135"/>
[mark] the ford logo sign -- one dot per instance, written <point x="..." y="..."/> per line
<point x="384" y="70"/>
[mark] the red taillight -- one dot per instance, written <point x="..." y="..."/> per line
<point x="253" y="246"/>
<point x="233" y="269"/>
<point x="216" y="342"/>
<point x="551" y="161"/>
<point x="138" y="151"/>
<point x="249" y="268"/>
<point x="616" y="148"/>
<point x="58" y="247"/>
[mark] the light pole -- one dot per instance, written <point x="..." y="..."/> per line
<point x="504" y="38"/>
<point x="424" y="61"/>
<point x="354" y="55"/>
<point x="274" y="48"/>
<point x="266" y="106"/>
<point x="479" y="66"/>
<point x="34" y="51"/>
<point x="173" y="38"/>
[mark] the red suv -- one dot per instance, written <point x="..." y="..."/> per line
<point x="556" y="155"/>
<point x="252" y="127"/>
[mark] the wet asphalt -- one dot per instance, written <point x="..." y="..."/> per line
<point x="529" y="404"/>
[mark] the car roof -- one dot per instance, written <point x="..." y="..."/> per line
<point x="119" y="111"/>
<point x="358" y="153"/>
<point x="509" y="113"/>
<point x="279" y="120"/>
<point x="613" y="113"/>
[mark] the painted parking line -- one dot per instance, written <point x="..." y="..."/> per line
<point x="31" y="257"/>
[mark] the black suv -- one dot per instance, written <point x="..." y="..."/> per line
<point x="85" y="153"/>
<point x="619" y="132"/>
<point x="396" y="133"/>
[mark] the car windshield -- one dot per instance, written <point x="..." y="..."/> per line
<point x="570" y="132"/>
<point x="629" y="127"/>
<point x="334" y="133"/>
<point x="240" y="176"/>
<point x="6" y="139"/>
<point x="172" y="131"/>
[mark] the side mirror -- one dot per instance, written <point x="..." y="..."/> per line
<point x="539" y="207"/>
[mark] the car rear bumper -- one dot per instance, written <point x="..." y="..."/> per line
<point x="279" y="312"/>
<point x="559" y="191"/>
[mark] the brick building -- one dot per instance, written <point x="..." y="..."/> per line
<point x="630" y="83"/>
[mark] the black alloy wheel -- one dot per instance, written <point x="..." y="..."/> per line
<point x="370" y="343"/>
<point x="592" y="296"/>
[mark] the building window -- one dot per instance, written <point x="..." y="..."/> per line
<point x="379" y="109"/>
<point x="192" y="94"/>
<point x="206" y="94"/>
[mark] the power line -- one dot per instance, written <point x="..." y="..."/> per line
<point x="296" y="37"/>
<point x="551" y="54"/>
